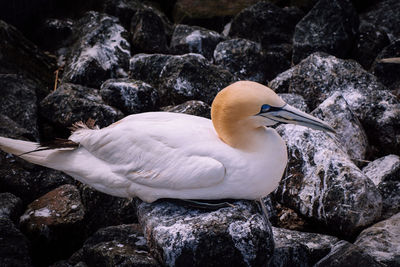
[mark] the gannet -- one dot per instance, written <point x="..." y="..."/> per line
<point x="154" y="155"/>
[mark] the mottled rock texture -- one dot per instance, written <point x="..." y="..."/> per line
<point x="388" y="72"/>
<point x="10" y="206"/>
<point x="192" y="39"/>
<point x="193" y="107"/>
<point x="331" y="26"/>
<point x="323" y="184"/>
<point x="296" y="101"/>
<point x="130" y="96"/>
<point x="100" y="51"/>
<point x="71" y="103"/>
<point x="229" y="236"/>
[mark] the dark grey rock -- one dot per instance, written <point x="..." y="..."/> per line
<point x="180" y="78"/>
<point x="20" y="56"/>
<point x="100" y="51"/>
<point x="278" y="59"/>
<point x="385" y="15"/>
<point x="266" y="24"/>
<point x="18" y="101"/>
<point x="14" y="246"/>
<point x="319" y="75"/>
<point x="71" y="103"/>
<point x="113" y="211"/>
<point x="193" y="39"/>
<point x="385" y="173"/>
<point x="193" y="107"/>
<point x="148" y="33"/>
<point x="243" y="58"/>
<point x="296" y="101"/>
<point x="323" y="184"/>
<point x="347" y="255"/>
<point x="130" y="96"/>
<point x="388" y="73"/>
<point x="11" y="129"/>
<point x="294" y="248"/>
<point x="370" y="41"/>
<point x="53" y="34"/>
<point x="331" y="26"/>
<point x="382" y="241"/>
<point x="54" y="223"/>
<point x="178" y="236"/>
<point x="122" y="245"/>
<point x="10" y="206"/>
<point x="336" y="112"/>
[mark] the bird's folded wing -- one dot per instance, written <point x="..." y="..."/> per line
<point x="158" y="160"/>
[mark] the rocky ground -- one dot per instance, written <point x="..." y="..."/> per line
<point x="338" y="203"/>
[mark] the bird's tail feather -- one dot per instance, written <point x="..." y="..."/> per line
<point x="26" y="150"/>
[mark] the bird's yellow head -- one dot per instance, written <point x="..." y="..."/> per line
<point x="246" y="106"/>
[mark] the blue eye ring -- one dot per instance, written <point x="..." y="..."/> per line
<point x="265" y="108"/>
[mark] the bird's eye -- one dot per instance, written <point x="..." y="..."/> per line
<point x="265" y="108"/>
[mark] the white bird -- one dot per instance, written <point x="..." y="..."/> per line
<point x="170" y="155"/>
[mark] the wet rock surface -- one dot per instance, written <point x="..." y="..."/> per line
<point x="330" y="26"/>
<point x="178" y="236"/>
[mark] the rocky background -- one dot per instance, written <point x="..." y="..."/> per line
<point x="339" y="201"/>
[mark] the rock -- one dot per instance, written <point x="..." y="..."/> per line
<point x="385" y="15"/>
<point x="388" y="73"/>
<point x="14" y="247"/>
<point x="336" y="112"/>
<point x="193" y="107"/>
<point x="193" y="39"/>
<point x="103" y="210"/>
<point x="10" y="206"/>
<point x="266" y="24"/>
<point x="71" y="103"/>
<point x="243" y="58"/>
<point x="324" y="185"/>
<point x="54" y="223"/>
<point x="130" y="96"/>
<point x="289" y="219"/>
<point x="100" y="52"/>
<point x="347" y="255"/>
<point x="296" y="101"/>
<point x="188" y="237"/>
<point x="293" y="248"/>
<point x="319" y="75"/>
<point x="330" y="26"/>
<point x="180" y="78"/>
<point x="60" y="31"/>
<point x="382" y="241"/>
<point x="211" y="14"/>
<point x="370" y="41"/>
<point x="278" y="59"/>
<point x="148" y="33"/>
<point x="122" y="245"/>
<point x="11" y="129"/>
<point x="20" y="56"/>
<point x="18" y="101"/>
<point x="385" y="173"/>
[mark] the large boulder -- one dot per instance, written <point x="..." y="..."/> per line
<point x="178" y="236"/>
<point x="266" y="24"/>
<point x="54" y="223"/>
<point x="100" y="51"/>
<point x="71" y="103"/>
<point x="180" y="78"/>
<point x="10" y="206"/>
<point x="382" y="241"/>
<point x="323" y="184"/>
<point x="385" y="173"/>
<point x="193" y="39"/>
<point x="193" y="107"/>
<point x="320" y="75"/>
<point x="130" y="96"/>
<point x="331" y="26"/>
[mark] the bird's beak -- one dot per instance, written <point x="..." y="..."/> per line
<point x="289" y="114"/>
